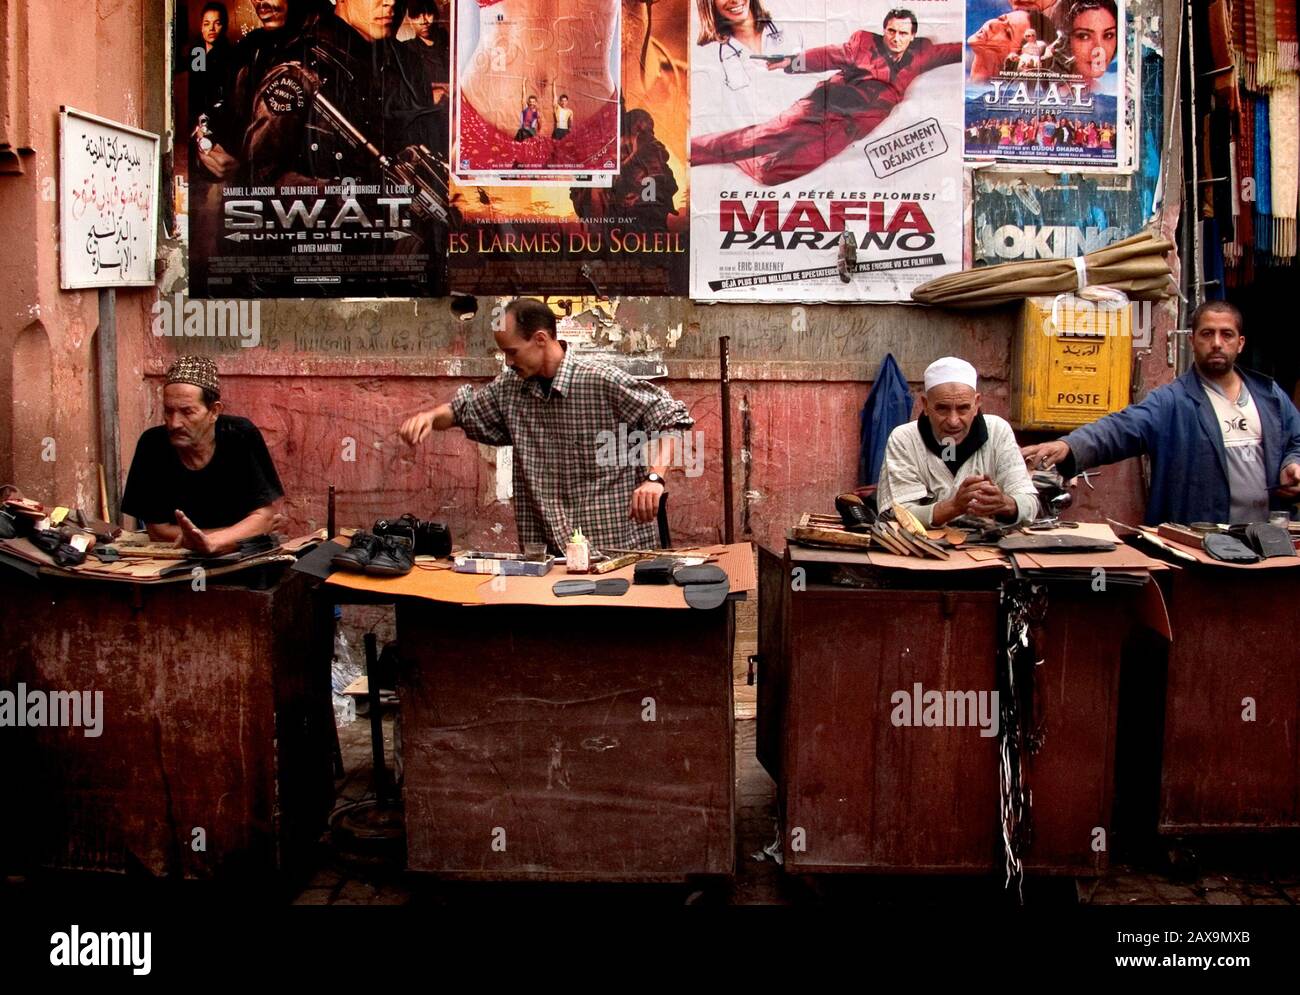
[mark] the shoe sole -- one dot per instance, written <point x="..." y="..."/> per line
<point x="385" y="571"/>
<point x="344" y="563"/>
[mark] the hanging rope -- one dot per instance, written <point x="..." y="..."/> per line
<point x="1024" y="605"/>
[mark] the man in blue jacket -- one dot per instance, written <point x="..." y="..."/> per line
<point x="1224" y="442"/>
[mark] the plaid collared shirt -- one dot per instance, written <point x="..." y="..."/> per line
<point x="573" y="468"/>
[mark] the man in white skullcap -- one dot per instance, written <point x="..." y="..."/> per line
<point x="954" y="459"/>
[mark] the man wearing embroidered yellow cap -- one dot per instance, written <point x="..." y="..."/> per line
<point x="202" y="479"/>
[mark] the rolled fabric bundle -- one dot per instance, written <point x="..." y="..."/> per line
<point x="1137" y="266"/>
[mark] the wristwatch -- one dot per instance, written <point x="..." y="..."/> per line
<point x="654" y="478"/>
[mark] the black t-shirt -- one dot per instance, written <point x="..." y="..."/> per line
<point x="239" y="479"/>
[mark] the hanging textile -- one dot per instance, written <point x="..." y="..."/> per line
<point x="888" y="405"/>
<point x="1240" y="254"/>
<point x="1288" y="49"/>
<point x="1266" y="12"/>
<point x="1284" y="130"/>
<point x="1251" y="42"/>
<point x="1263" y="181"/>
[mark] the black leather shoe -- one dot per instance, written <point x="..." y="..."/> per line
<point x="394" y="557"/>
<point x="358" y="555"/>
<point x="854" y="513"/>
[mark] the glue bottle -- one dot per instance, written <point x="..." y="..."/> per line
<point x="577" y="554"/>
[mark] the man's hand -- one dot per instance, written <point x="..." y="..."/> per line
<point x="645" y="502"/>
<point x="1290" y="481"/>
<point x="219" y="163"/>
<point x="417" y="428"/>
<point x="192" y="537"/>
<point x="781" y="64"/>
<point x="989" y="501"/>
<point x="960" y="503"/>
<point x="1045" y="454"/>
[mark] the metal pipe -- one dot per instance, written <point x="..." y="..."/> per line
<point x="106" y="356"/>
<point x="1190" y="235"/>
<point x="376" y="717"/>
<point x="1198" y="273"/>
<point x="728" y="492"/>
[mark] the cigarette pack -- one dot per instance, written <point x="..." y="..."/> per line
<point x="505" y="565"/>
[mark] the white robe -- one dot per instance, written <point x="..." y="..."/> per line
<point x="915" y="477"/>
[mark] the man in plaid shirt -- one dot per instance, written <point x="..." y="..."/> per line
<point x="555" y="409"/>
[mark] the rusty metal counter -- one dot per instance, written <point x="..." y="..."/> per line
<point x="567" y="744"/>
<point x="857" y="793"/>
<point x="214" y="755"/>
<point x="1231" y="758"/>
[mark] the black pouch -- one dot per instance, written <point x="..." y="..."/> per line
<point x="656" y="571"/>
<point x="1269" y="540"/>
<point x="258" y="544"/>
<point x="704" y="573"/>
<point x="427" y="538"/>
<point x="69" y="556"/>
<point x="46" y="540"/>
<point x="856" y="514"/>
<point x="1228" y="549"/>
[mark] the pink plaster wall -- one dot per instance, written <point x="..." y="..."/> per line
<point x="47" y="351"/>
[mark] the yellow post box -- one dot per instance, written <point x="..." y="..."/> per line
<point x="1071" y="362"/>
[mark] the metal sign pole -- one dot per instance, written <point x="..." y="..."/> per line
<point x="106" y="354"/>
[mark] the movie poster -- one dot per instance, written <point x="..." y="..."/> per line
<point x="316" y="138"/>
<point x="1046" y="83"/>
<point x="557" y="225"/>
<point x="537" y="88"/>
<point x="825" y="148"/>
<point x="1019" y="216"/>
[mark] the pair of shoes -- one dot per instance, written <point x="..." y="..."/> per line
<point x="378" y="556"/>
<point x="428" y="538"/>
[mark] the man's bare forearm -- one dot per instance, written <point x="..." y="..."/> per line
<point x="944" y="512"/>
<point x="255" y="524"/>
<point x="163" y="533"/>
<point x="443" y="418"/>
<point x="659" y="454"/>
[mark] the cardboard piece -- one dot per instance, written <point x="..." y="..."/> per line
<point x="1120" y="558"/>
<point x="1204" y="559"/>
<point x="737" y="561"/>
<point x="958" y="559"/>
<point x="433" y="583"/>
<point x="1153" y="611"/>
<point x="24" y="550"/>
<point x="316" y="563"/>
<point x="974" y="558"/>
